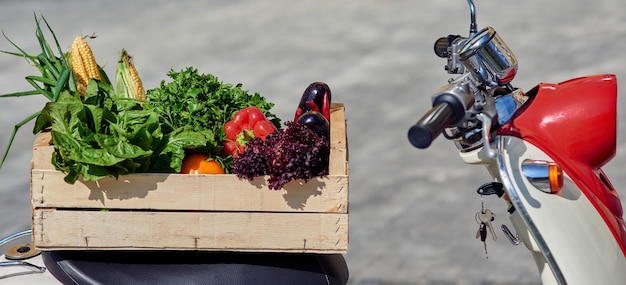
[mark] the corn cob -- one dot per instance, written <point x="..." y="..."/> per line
<point x="83" y="64"/>
<point x="127" y="80"/>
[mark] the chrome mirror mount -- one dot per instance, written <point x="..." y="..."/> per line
<point x="473" y="28"/>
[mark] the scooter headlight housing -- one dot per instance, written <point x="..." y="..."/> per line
<point x="488" y="58"/>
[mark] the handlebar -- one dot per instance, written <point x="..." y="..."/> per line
<point x="431" y="125"/>
<point x="449" y="105"/>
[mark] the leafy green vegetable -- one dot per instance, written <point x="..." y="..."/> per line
<point x="95" y="138"/>
<point x="201" y="103"/>
<point x="170" y="153"/>
<point x="296" y="152"/>
<point x="55" y="75"/>
<point x="102" y="135"/>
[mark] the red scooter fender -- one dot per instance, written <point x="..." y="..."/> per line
<point x="574" y="122"/>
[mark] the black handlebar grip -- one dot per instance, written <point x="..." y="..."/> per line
<point x="431" y="125"/>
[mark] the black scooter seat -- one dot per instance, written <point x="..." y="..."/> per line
<point x="194" y="267"/>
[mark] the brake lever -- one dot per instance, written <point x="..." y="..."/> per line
<point x="487" y="121"/>
<point x="487" y="113"/>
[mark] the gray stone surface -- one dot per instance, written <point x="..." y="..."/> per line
<point x="411" y="211"/>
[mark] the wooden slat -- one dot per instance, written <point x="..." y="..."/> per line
<point x="338" y="141"/>
<point x="42" y="152"/>
<point x="189" y="192"/>
<point x="273" y="232"/>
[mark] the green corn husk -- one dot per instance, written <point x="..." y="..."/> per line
<point x="127" y="81"/>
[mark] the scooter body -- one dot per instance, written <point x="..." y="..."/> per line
<point x="577" y="234"/>
<point x="570" y="239"/>
<point x="544" y="149"/>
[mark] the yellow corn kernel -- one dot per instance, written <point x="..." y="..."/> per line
<point x="127" y="80"/>
<point x="83" y="64"/>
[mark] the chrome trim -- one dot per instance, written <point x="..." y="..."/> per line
<point x="537" y="172"/>
<point x="513" y="238"/>
<point x="15" y="236"/>
<point x="489" y="58"/>
<point x="472" y="17"/>
<point x="486" y="119"/>
<point x="519" y="206"/>
<point x="28" y="265"/>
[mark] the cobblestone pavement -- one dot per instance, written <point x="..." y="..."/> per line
<point x="411" y="211"/>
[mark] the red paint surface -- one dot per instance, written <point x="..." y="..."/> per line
<point x="574" y="122"/>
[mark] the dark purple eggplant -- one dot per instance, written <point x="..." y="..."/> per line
<point x="315" y="121"/>
<point x="317" y="98"/>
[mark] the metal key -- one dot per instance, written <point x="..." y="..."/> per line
<point x="486" y="216"/>
<point x="482" y="234"/>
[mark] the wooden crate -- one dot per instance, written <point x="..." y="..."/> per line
<point x="192" y="212"/>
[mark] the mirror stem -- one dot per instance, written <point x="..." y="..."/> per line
<point x="472" y="18"/>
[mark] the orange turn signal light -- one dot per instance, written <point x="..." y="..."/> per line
<point x="546" y="176"/>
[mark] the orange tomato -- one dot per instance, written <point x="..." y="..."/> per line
<point x="201" y="164"/>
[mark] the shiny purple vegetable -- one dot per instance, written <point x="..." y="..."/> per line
<point x="317" y="98"/>
<point x="315" y="121"/>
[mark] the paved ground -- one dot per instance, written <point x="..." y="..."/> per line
<point x="411" y="211"/>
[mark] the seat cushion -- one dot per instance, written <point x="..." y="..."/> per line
<point x="194" y="267"/>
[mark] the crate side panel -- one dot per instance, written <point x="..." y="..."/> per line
<point x="270" y="232"/>
<point x="42" y="152"/>
<point x="338" y="162"/>
<point x="189" y="192"/>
